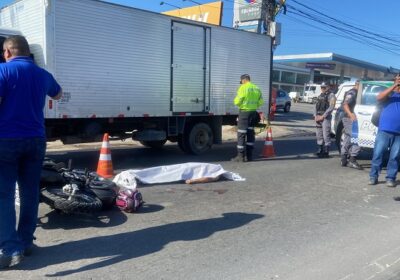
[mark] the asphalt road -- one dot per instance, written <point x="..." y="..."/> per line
<point x="295" y="217"/>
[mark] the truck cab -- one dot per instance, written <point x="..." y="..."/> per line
<point x="311" y="92"/>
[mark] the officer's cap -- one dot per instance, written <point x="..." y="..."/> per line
<point x="245" y="77"/>
<point x="324" y="85"/>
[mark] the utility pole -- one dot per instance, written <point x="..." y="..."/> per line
<point x="268" y="8"/>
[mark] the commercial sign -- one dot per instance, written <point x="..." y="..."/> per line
<point x="249" y="10"/>
<point x="329" y="66"/>
<point x="208" y="13"/>
<point x="247" y="15"/>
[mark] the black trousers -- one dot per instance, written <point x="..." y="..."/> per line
<point x="246" y="136"/>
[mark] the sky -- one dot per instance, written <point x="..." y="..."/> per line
<point x="300" y="35"/>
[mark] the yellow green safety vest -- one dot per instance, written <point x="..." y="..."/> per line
<point x="249" y="97"/>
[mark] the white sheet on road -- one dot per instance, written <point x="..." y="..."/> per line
<point x="173" y="173"/>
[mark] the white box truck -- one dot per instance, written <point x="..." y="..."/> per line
<point x="136" y="73"/>
<point x="311" y="93"/>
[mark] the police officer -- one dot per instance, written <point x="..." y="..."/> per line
<point x="323" y="116"/>
<point x="349" y="151"/>
<point x="248" y="99"/>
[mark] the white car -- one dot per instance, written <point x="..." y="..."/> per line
<point x="365" y="107"/>
<point x="283" y="101"/>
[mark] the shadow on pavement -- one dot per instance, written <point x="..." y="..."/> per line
<point x="107" y="218"/>
<point x="55" y="220"/>
<point x="295" y="126"/>
<point x="140" y="157"/>
<point x="293" y="116"/>
<point x="302" y="147"/>
<point x="116" y="248"/>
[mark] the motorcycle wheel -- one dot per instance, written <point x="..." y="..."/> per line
<point x="81" y="202"/>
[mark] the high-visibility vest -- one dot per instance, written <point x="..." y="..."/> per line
<point x="249" y="97"/>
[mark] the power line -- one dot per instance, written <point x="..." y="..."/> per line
<point x="347" y="29"/>
<point x="344" y="34"/>
<point x="342" y="22"/>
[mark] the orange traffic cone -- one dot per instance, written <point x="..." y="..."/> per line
<point x="105" y="167"/>
<point x="268" y="150"/>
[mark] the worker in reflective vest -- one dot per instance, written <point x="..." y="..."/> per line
<point x="248" y="99"/>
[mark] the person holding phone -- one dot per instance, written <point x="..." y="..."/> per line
<point x="388" y="136"/>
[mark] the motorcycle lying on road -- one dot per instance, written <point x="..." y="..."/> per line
<point x="75" y="190"/>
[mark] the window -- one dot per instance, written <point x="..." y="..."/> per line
<point x="370" y="91"/>
<point x="287" y="88"/>
<point x="275" y="75"/>
<point x="311" y="88"/>
<point x="282" y="93"/>
<point x="299" y="90"/>
<point x="302" y="79"/>
<point x="288" y="77"/>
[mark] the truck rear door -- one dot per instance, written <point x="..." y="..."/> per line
<point x="190" y="68"/>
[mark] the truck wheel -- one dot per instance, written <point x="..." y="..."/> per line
<point x="199" y="139"/>
<point x="153" y="144"/>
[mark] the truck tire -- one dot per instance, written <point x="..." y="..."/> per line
<point x="154" y="144"/>
<point x="80" y="203"/>
<point x="199" y="138"/>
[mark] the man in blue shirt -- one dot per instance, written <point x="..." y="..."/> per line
<point x="388" y="135"/>
<point x="23" y="90"/>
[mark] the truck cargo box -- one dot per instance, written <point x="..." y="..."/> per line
<point x="115" y="62"/>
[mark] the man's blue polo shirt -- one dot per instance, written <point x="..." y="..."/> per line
<point x="390" y="116"/>
<point x="23" y="90"/>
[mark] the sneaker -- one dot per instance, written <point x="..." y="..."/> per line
<point x="390" y="183"/>
<point x="10" y="260"/>
<point x="372" y="181"/>
<point x="355" y="165"/>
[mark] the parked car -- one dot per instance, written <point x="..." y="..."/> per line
<point x="283" y="101"/>
<point x="365" y="107"/>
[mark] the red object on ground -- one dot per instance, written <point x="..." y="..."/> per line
<point x="105" y="166"/>
<point x="268" y="150"/>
